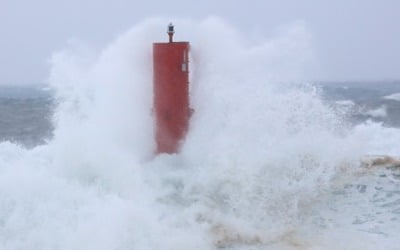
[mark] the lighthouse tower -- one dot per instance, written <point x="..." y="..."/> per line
<point x="171" y="93"/>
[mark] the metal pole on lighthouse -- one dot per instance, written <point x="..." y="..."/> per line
<point x="171" y="93"/>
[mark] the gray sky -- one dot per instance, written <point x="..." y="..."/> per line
<point x="353" y="39"/>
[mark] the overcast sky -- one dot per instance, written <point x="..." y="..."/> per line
<point x="353" y="39"/>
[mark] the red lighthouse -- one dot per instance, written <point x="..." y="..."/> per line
<point x="171" y="93"/>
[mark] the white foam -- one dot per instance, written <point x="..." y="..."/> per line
<point x="395" y="97"/>
<point x="378" y="112"/>
<point x="349" y="103"/>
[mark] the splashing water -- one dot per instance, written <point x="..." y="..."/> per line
<point x="260" y="153"/>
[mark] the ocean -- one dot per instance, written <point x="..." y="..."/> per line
<point x="25" y="115"/>
<point x="26" y="112"/>
<point x="270" y="161"/>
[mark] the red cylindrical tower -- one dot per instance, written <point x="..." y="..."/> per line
<point x="171" y="93"/>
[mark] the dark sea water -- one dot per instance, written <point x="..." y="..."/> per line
<point x="367" y="97"/>
<point x="26" y="112"/>
<point x="25" y="115"/>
